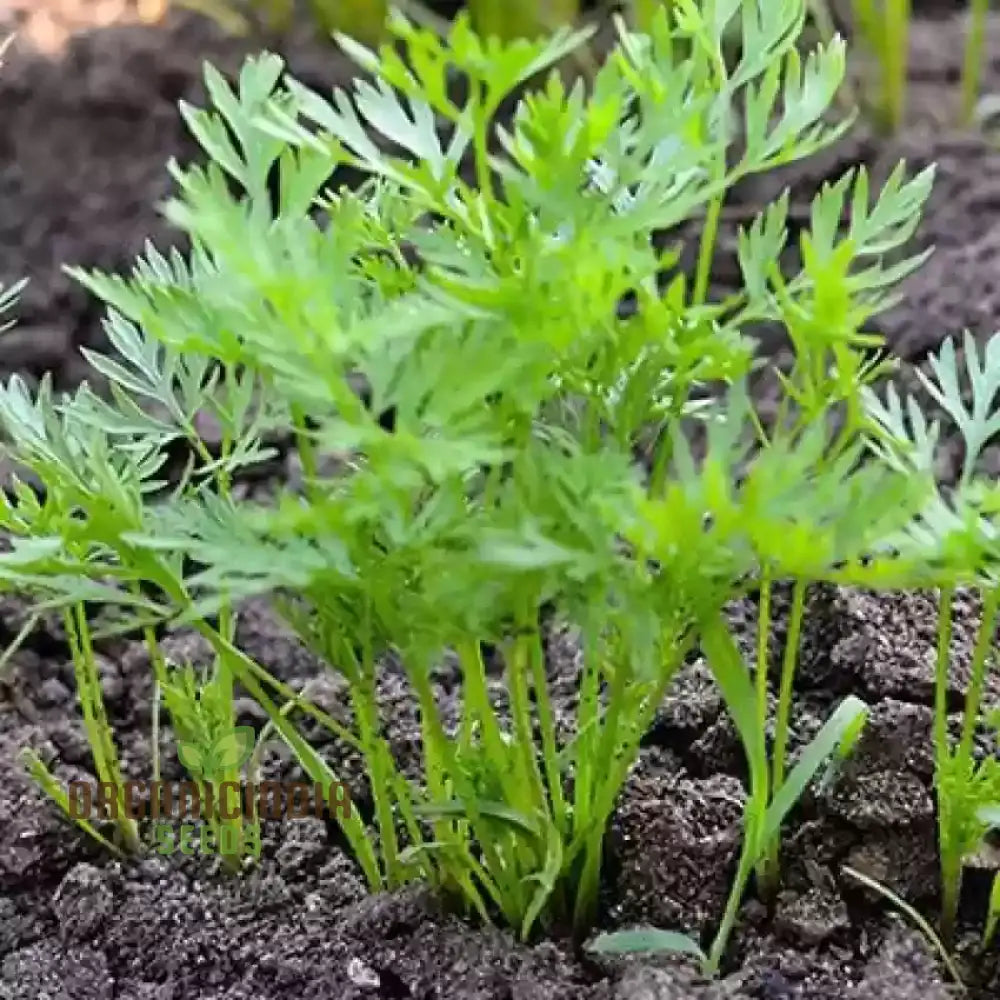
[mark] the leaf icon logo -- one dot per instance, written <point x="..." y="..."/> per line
<point x="193" y="757"/>
<point x="232" y="750"/>
<point x="228" y="752"/>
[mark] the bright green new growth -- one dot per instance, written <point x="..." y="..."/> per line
<point x="520" y="392"/>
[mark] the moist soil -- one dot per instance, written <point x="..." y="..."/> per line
<point x="89" y="97"/>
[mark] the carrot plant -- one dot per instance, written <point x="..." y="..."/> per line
<point x="884" y="28"/>
<point x="212" y="749"/>
<point x="473" y="285"/>
<point x="957" y="532"/>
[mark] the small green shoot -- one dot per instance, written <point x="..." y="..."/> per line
<point x="974" y="60"/>
<point x="884" y="27"/>
<point x="52" y="787"/>
<point x="213" y="749"/>
<point x="989" y="816"/>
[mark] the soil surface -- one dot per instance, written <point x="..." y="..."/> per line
<point x="89" y="96"/>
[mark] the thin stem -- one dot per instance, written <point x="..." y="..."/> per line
<point x="896" y="59"/>
<point x="307" y="451"/>
<point x="778" y="759"/>
<point x="154" y="737"/>
<point x="980" y="666"/>
<point x="524" y="739"/>
<point x="504" y="886"/>
<point x="547" y="726"/>
<point x="917" y="919"/>
<point x="706" y="250"/>
<point x="95" y="719"/>
<point x="594" y="812"/>
<point x="365" y="707"/>
<point x="975" y="52"/>
<point x="992" y="913"/>
<point x="481" y="146"/>
<point x="763" y="644"/>
<point x="587" y="722"/>
<point x="952" y="808"/>
<point x="941" y="675"/>
<point x="748" y="853"/>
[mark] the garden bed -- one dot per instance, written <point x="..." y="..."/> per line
<point x="87" y="133"/>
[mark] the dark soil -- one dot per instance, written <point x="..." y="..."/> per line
<point x="86" y="135"/>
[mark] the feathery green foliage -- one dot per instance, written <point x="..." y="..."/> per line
<point x="956" y="532"/>
<point x="474" y="284"/>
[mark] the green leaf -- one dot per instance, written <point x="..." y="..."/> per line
<point x="644" y="941"/>
<point x="837" y="737"/>
<point x="520" y="823"/>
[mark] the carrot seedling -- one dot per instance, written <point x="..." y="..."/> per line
<point x="213" y="750"/>
<point x="956" y="536"/>
<point x="884" y="27"/>
<point x="473" y="285"/>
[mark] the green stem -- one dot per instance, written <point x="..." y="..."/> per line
<point x="952" y="812"/>
<point x="975" y="51"/>
<point x="782" y="723"/>
<point x="980" y="666"/>
<point x="941" y="676"/>
<point x="95" y="719"/>
<point x="588" y="716"/>
<point x="896" y="59"/>
<point x="481" y="144"/>
<point x="546" y="721"/>
<point x="763" y="644"/>
<point x="307" y="450"/>
<point x="748" y="854"/>
<point x="706" y="250"/>
<point x="503" y="886"/>
<point x="524" y="737"/>
<point x="252" y="676"/>
<point x="595" y="812"/>
<point x="365" y="708"/>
